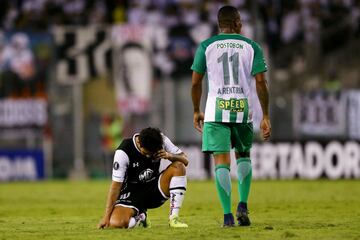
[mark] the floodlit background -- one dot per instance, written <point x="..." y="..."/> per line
<point x="76" y="77"/>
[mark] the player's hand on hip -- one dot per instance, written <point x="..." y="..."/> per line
<point x="198" y="121"/>
<point x="265" y="127"/>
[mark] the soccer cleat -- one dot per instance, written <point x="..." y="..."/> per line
<point x="228" y="220"/>
<point x="143" y="220"/>
<point x="242" y="216"/>
<point x="175" y="223"/>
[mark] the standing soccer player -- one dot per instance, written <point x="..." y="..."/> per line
<point x="233" y="63"/>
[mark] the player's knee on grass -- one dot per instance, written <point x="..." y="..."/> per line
<point x="120" y="217"/>
<point x="119" y="223"/>
<point x="178" y="168"/>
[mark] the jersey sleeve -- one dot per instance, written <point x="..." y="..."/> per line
<point x="199" y="64"/>
<point x="121" y="163"/>
<point x="170" y="147"/>
<point x="259" y="64"/>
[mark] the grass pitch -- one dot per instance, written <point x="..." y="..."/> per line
<point x="278" y="210"/>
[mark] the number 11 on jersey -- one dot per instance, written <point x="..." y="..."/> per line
<point x="234" y="59"/>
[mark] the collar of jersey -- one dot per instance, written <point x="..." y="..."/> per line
<point x="229" y="33"/>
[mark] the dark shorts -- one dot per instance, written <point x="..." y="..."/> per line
<point x="142" y="197"/>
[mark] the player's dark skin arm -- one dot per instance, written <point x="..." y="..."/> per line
<point x="172" y="157"/>
<point x="196" y="92"/>
<point x="263" y="95"/>
<point x="113" y="195"/>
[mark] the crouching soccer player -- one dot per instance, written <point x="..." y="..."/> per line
<point x="137" y="184"/>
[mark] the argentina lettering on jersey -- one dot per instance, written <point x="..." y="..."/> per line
<point x="230" y="61"/>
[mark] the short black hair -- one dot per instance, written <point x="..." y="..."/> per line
<point x="151" y="139"/>
<point x="227" y="15"/>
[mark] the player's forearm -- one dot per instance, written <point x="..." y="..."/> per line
<point x="196" y="90"/>
<point x="263" y="94"/>
<point x="113" y="195"/>
<point x="179" y="157"/>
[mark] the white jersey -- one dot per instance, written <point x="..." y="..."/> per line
<point x="231" y="61"/>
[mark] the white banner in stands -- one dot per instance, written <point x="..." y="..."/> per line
<point x="354" y="114"/>
<point x="81" y="53"/>
<point x="23" y="113"/>
<point x="310" y="160"/>
<point x="133" y="69"/>
<point x="320" y="113"/>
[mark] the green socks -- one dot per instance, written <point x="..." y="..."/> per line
<point x="223" y="186"/>
<point x="223" y="182"/>
<point x="244" y="173"/>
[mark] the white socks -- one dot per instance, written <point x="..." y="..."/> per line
<point x="177" y="191"/>
<point x="135" y="221"/>
<point x="132" y="222"/>
<point x="177" y="194"/>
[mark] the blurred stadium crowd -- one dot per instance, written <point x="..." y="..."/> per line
<point x="285" y="20"/>
<point x="296" y="33"/>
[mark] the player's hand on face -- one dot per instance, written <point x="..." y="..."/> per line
<point x="162" y="154"/>
<point x="198" y="121"/>
<point x="265" y="127"/>
<point x="104" y="223"/>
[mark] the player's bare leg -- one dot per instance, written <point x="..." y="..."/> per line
<point x="121" y="217"/>
<point x="173" y="184"/>
<point x="223" y="185"/>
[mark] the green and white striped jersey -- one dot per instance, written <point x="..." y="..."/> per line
<point x="231" y="61"/>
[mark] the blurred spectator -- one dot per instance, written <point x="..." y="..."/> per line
<point x="136" y="14"/>
<point x="291" y="25"/>
<point x="18" y="67"/>
<point x="203" y="29"/>
<point x="154" y="16"/>
<point x="171" y="15"/>
<point x="312" y="27"/>
<point x="111" y="131"/>
<point x="336" y="26"/>
<point x="247" y="28"/>
<point x="213" y="7"/>
<point x="2" y="46"/>
<point x="74" y="12"/>
<point x="9" y="14"/>
<point x="355" y="18"/>
<point x="2" y="82"/>
<point x="119" y="11"/>
<point x="97" y="12"/>
<point x="32" y="14"/>
<point x="271" y="19"/>
<point x="180" y="49"/>
<point x="332" y="82"/>
<point x="189" y="13"/>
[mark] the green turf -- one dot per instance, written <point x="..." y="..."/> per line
<point x="279" y="210"/>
